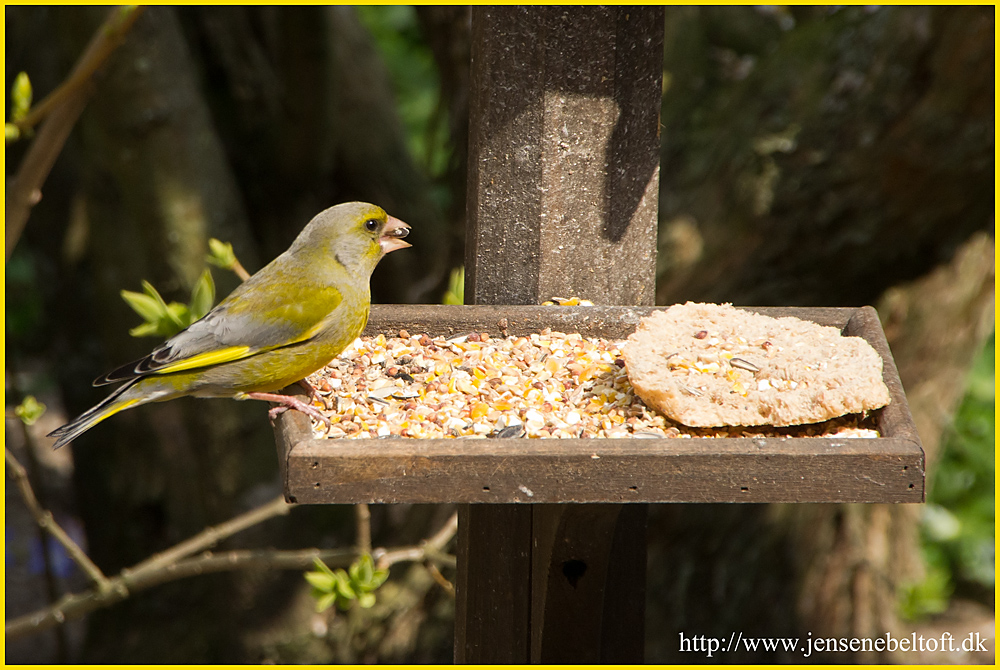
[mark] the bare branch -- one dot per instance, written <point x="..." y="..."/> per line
<point x="431" y="549"/>
<point x="74" y="606"/>
<point x="212" y="536"/>
<point x="47" y="522"/>
<point x="60" y="110"/>
<point x="165" y="566"/>
<point x="364" y="523"/>
<point x="104" y="42"/>
<point x="176" y="563"/>
<point x="448" y="587"/>
<point x="441" y="538"/>
<point x="240" y="271"/>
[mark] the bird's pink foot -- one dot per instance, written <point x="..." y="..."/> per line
<point x="307" y="387"/>
<point x="287" y="402"/>
<point x="313" y="393"/>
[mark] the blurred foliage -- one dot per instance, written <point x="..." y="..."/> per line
<point x="23" y="299"/>
<point x="30" y="410"/>
<point x="344" y="587"/>
<point x="417" y="84"/>
<point x="166" y="320"/>
<point x="958" y="520"/>
<point x="20" y="96"/>
<point x="455" y="295"/>
<point x="221" y="254"/>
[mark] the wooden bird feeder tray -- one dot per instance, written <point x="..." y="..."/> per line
<point x="887" y="469"/>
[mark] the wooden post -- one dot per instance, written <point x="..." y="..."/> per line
<point x="563" y="181"/>
<point x="564" y="154"/>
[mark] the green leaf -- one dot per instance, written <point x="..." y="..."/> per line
<point x="343" y="586"/>
<point x="20" y="94"/>
<point x="202" y="296"/>
<point x="11" y="132"/>
<point x="147" y="307"/>
<point x="321" y="581"/>
<point x="325" y="601"/>
<point x="161" y="319"/>
<point x="221" y="254"/>
<point x="362" y="569"/>
<point x="146" y="330"/>
<point x="168" y="320"/>
<point x="30" y="410"/>
<point x="927" y="597"/>
<point x="322" y="567"/>
<point x="455" y="295"/>
<point x="151" y="291"/>
<point x="378" y="578"/>
<point x="366" y="600"/>
<point x="180" y="316"/>
<point x="958" y="535"/>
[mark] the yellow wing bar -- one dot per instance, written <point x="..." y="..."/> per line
<point x="202" y="360"/>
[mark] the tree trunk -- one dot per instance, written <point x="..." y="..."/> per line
<point x="156" y="187"/>
<point x="447" y="30"/>
<point x="310" y="121"/>
<point x="822" y="165"/>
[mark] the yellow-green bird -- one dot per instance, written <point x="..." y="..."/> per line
<point x="282" y="324"/>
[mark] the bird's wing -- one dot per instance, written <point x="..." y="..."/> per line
<point x="255" y="319"/>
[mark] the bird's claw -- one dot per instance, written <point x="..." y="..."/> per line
<point x="313" y="393"/>
<point x="287" y="402"/>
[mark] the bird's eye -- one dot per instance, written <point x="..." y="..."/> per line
<point x="371" y="225"/>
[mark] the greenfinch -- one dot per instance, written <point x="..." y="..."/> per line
<point x="283" y="323"/>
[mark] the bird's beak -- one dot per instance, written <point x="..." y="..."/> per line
<point x="393" y="234"/>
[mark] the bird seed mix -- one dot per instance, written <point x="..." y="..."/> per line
<point x="546" y="384"/>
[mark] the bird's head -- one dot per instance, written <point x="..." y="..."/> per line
<point x="355" y="234"/>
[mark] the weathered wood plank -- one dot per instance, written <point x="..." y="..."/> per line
<point x="623" y="628"/>
<point x="564" y="154"/>
<point x="585" y="558"/>
<point x="606" y="470"/>
<point x="590" y="321"/>
<point x="492" y="620"/>
<point x="894" y="420"/>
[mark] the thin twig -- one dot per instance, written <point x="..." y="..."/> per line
<point x="364" y="522"/>
<point x="33" y="471"/>
<point x="105" y="41"/>
<point x="389" y="557"/>
<point x="448" y="587"/>
<point x="431" y="549"/>
<point x="165" y="566"/>
<point x="213" y="535"/>
<point x="176" y="563"/>
<point x="76" y="605"/>
<point x="47" y="522"/>
<point x="60" y="115"/>
<point x="273" y="559"/>
<point x="444" y="534"/>
<point x="240" y="271"/>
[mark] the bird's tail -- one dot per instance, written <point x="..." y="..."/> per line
<point x="113" y="404"/>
